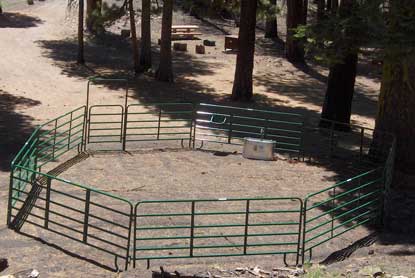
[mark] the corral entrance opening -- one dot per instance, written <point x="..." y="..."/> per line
<point x="163" y="181"/>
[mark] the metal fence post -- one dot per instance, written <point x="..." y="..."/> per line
<point x="124" y="131"/>
<point x="70" y="129"/>
<point x="192" y="228"/>
<point x="86" y="215"/>
<point x="47" y="201"/>
<point x="304" y="232"/>
<point x="246" y="226"/>
<point x="54" y="140"/>
<point x="130" y="226"/>
<point x="135" y="235"/>
<point x="84" y="130"/>
<point x="230" y="129"/>
<point x="301" y="220"/>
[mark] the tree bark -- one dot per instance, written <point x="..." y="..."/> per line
<point x="242" y="84"/>
<point x="295" y="16"/>
<point x="320" y="9"/>
<point x="134" y="43"/>
<point x="81" y="58"/>
<point x="397" y="96"/>
<point x="342" y="76"/>
<point x="93" y="9"/>
<point x="305" y="12"/>
<point x="339" y="94"/>
<point x="145" y="55"/>
<point x="334" y="5"/>
<point x="271" y="25"/>
<point x="165" y="70"/>
<point x="329" y="5"/>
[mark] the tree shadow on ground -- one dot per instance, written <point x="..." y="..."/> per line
<point x="17" y="20"/>
<point x="15" y="128"/>
<point x="300" y="87"/>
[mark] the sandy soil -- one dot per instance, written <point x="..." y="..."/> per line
<point x="186" y="174"/>
<point x="39" y="80"/>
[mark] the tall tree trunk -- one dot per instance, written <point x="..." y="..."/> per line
<point x="242" y="84"/>
<point x="295" y="16"/>
<point x="320" y="9"/>
<point x="134" y="43"/>
<point x="397" y="96"/>
<point x="339" y="94"/>
<point x="165" y="70"/>
<point x="145" y="55"/>
<point x="81" y="58"/>
<point x="305" y="12"/>
<point x="93" y="10"/>
<point x="340" y="88"/>
<point x="334" y="5"/>
<point x="329" y="4"/>
<point x="271" y="25"/>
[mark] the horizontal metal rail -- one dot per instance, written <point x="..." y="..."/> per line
<point x="290" y="218"/>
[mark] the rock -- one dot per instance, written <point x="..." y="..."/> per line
<point x="371" y="252"/>
<point x="370" y="271"/>
<point x="30" y="2"/>
<point x="209" y="43"/>
<point x="379" y="274"/>
<point x="200" y="49"/>
<point x="3" y="264"/>
<point x="30" y="273"/>
<point x="180" y="46"/>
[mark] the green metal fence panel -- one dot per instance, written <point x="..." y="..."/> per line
<point x="80" y="213"/>
<point x="342" y="207"/>
<point x="105" y="125"/>
<point x="163" y="122"/>
<point x="230" y="125"/>
<point x="173" y="229"/>
<point x="60" y="135"/>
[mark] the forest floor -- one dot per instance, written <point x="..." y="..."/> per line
<point x="39" y="80"/>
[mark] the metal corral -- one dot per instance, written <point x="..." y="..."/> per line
<point x="168" y="229"/>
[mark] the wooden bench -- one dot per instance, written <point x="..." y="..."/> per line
<point x="184" y="32"/>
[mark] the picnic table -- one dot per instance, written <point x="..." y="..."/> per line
<point x="184" y="31"/>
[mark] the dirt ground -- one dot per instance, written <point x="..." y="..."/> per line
<point x="186" y="174"/>
<point x="39" y="80"/>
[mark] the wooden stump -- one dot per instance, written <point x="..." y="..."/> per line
<point x="125" y="33"/>
<point x="200" y="49"/>
<point x="180" y="46"/>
